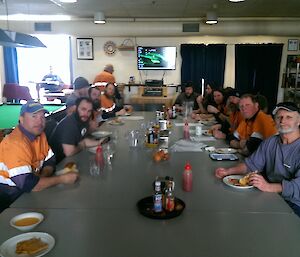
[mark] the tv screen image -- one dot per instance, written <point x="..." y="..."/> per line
<point x="156" y="57"/>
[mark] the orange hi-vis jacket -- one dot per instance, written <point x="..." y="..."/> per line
<point x="105" y="76"/>
<point x="261" y="126"/>
<point x="20" y="158"/>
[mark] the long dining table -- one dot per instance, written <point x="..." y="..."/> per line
<point x="98" y="215"/>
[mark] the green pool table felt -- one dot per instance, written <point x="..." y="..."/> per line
<point x="9" y="114"/>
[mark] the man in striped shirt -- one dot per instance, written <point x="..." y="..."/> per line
<point x="26" y="160"/>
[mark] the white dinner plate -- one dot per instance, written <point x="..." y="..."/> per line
<point x="226" y="180"/>
<point x="8" y="248"/>
<point x="116" y="123"/>
<point x="225" y="150"/>
<point x="101" y="134"/>
<point x="92" y="149"/>
<point x="207" y="122"/>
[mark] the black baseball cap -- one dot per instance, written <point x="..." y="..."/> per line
<point x="233" y="92"/>
<point x="288" y="106"/>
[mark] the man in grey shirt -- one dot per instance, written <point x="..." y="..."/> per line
<point x="187" y="97"/>
<point x="277" y="158"/>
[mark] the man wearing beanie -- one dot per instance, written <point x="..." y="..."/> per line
<point x="81" y="87"/>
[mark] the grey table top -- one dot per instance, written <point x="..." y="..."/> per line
<point x="100" y="215"/>
<point x="115" y="233"/>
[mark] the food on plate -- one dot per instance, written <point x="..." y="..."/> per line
<point x="206" y="117"/>
<point x="234" y="181"/>
<point x="128" y="109"/>
<point x="244" y="181"/>
<point x="116" y="122"/>
<point x="70" y="167"/>
<point x="178" y="207"/>
<point x="27" y="221"/>
<point x="208" y="132"/>
<point x="31" y="246"/>
<point x="161" y="155"/>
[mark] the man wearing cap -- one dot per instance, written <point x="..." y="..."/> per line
<point x="70" y="135"/>
<point x="26" y="160"/>
<point x="254" y="128"/>
<point x="277" y="158"/>
<point x="81" y="87"/>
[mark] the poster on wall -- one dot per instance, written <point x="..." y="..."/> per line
<point x="293" y="44"/>
<point x="85" y="49"/>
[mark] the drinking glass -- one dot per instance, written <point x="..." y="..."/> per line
<point x="93" y="167"/>
<point x="109" y="151"/>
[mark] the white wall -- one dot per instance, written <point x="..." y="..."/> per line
<point x="169" y="34"/>
<point x="125" y="62"/>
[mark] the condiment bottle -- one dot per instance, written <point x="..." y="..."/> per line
<point x="99" y="157"/>
<point x="170" y="113"/>
<point x="187" y="178"/>
<point x="151" y="136"/>
<point x="169" y="199"/>
<point x="174" y="112"/>
<point x="186" y="130"/>
<point x="157" y="198"/>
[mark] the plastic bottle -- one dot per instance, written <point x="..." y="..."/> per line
<point x="186" y="130"/>
<point x="150" y="136"/>
<point x="174" y="112"/>
<point x="169" y="198"/>
<point x="157" y="198"/>
<point x="99" y="157"/>
<point x="187" y="178"/>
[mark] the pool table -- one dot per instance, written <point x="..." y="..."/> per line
<point x="9" y="114"/>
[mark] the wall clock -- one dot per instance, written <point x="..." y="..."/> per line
<point x="110" y="48"/>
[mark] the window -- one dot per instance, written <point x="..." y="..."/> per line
<point x="34" y="63"/>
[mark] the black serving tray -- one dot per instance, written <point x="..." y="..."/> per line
<point x="145" y="207"/>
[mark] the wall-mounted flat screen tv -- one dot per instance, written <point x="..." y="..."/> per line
<point x="156" y="57"/>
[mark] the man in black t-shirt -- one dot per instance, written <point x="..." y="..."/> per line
<point x="69" y="136"/>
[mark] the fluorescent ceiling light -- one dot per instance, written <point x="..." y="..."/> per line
<point x="68" y="1"/>
<point x="211" y="18"/>
<point x="99" y="18"/>
<point x="34" y="17"/>
<point x="236" y="1"/>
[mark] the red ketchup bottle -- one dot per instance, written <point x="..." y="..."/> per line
<point x="187" y="178"/>
<point x="99" y="157"/>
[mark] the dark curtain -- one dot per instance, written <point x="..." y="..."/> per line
<point x="11" y="65"/>
<point x="203" y="61"/>
<point x="257" y="68"/>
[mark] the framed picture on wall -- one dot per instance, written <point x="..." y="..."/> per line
<point x="293" y="45"/>
<point x="85" y="49"/>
